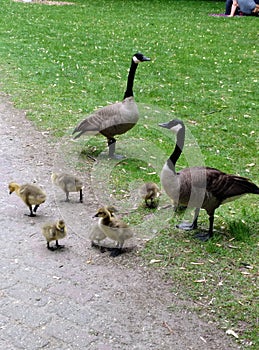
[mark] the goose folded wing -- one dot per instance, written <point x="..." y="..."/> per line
<point x="106" y="117"/>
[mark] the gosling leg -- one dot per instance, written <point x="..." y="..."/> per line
<point x="81" y="196"/>
<point x="67" y="195"/>
<point x="31" y="212"/>
<point x="59" y="246"/>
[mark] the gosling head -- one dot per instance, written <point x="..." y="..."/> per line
<point x="139" y="57"/>
<point x="12" y="186"/>
<point x="174" y="125"/>
<point x="60" y="225"/>
<point x="102" y="213"/>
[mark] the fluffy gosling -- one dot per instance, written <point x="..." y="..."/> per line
<point x="150" y="193"/>
<point x="113" y="228"/>
<point x="54" y="232"/>
<point x="30" y="194"/>
<point x="96" y="234"/>
<point x="68" y="183"/>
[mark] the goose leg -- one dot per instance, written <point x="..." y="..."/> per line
<point x="208" y="235"/>
<point x="81" y="196"/>
<point x="186" y="226"/>
<point x="111" y="145"/>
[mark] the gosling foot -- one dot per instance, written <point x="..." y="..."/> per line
<point x="116" y="252"/>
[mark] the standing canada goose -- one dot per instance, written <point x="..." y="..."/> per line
<point x="150" y="192"/>
<point x="113" y="228"/>
<point x="117" y="118"/>
<point x="68" y="183"/>
<point x="30" y="194"/>
<point x="54" y="232"/>
<point x="200" y="187"/>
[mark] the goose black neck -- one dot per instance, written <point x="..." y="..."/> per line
<point x="131" y="76"/>
<point x="177" y="150"/>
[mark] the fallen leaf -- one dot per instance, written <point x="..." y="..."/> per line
<point x="231" y="332"/>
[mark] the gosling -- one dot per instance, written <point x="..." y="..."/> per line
<point x="30" y="194"/>
<point x="68" y="183"/>
<point x="113" y="228"/>
<point x="96" y="234"/>
<point x="54" y="232"/>
<point x="150" y="193"/>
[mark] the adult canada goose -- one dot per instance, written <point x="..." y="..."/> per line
<point x="150" y="193"/>
<point x="68" y="183"/>
<point x="113" y="228"/>
<point x="200" y="187"/>
<point x="30" y="194"/>
<point x="117" y="118"/>
<point x="54" y="232"/>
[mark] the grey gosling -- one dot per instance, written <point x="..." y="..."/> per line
<point x="150" y="193"/>
<point x="68" y="183"/>
<point x="113" y="228"/>
<point x="54" y="232"/>
<point x="117" y="118"/>
<point x="200" y="187"/>
<point x="30" y="194"/>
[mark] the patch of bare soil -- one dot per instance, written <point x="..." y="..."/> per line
<point x="77" y="297"/>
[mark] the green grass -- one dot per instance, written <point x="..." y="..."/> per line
<point x="59" y="63"/>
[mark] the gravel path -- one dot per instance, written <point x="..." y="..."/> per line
<point x="77" y="298"/>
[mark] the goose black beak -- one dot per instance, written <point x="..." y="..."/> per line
<point x="163" y="125"/>
<point x="146" y="58"/>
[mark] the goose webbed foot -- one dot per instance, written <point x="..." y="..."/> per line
<point x="187" y="226"/>
<point x="116" y="156"/>
<point x="203" y="237"/>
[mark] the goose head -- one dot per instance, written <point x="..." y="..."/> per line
<point x="139" y="57"/>
<point x="175" y="125"/>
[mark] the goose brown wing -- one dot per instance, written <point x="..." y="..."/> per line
<point x="218" y="183"/>
<point x="119" y="113"/>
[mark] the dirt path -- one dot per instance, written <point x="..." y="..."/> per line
<point x="77" y="298"/>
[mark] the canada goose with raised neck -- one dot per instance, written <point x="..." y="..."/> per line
<point x="30" y="194"/>
<point x="117" y="118"/>
<point x="113" y="228"/>
<point x="68" y="183"/>
<point x="200" y="187"/>
<point x="54" y="232"/>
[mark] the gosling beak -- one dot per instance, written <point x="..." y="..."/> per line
<point x="10" y="192"/>
<point x="95" y="216"/>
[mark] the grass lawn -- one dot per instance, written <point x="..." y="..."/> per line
<point x="59" y="63"/>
